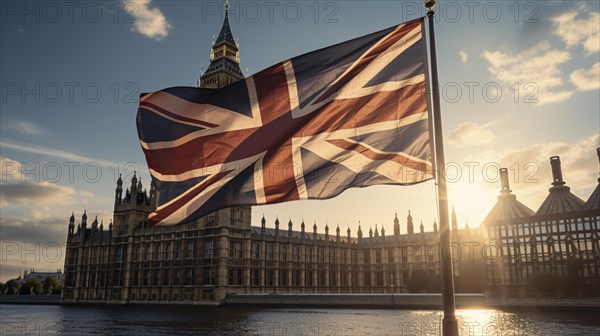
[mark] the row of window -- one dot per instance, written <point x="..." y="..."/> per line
<point x="544" y="227"/>
<point x="320" y="254"/>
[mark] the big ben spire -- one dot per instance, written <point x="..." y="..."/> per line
<point x="224" y="67"/>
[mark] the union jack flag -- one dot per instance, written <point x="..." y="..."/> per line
<point x="350" y="115"/>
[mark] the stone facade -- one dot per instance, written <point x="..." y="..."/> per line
<point x="223" y="253"/>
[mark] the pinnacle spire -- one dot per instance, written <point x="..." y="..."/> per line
<point x="224" y="68"/>
<point x="225" y="35"/>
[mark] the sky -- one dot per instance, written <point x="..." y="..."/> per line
<point x="520" y="82"/>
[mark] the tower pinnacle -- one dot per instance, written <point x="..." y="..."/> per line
<point x="224" y="68"/>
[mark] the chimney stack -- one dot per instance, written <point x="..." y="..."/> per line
<point x="505" y="185"/>
<point x="557" y="179"/>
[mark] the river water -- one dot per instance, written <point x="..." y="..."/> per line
<point x="146" y="321"/>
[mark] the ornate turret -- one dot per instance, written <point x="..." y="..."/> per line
<point x="152" y="195"/>
<point x="119" y="192"/>
<point x="337" y="232"/>
<point x="134" y="181"/>
<point x="290" y="228"/>
<point x="422" y="231"/>
<point x="315" y="231"/>
<point x="382" y="231"/>
<point x="359" y="233"/>
<point x="435" y="227"/>
<point x="376" y="231"/>
<point x="370" y="232"/>
<point x="454" y="221"/>
<point x="326" y="231"/>
<point x="83" y="228"/>
<point x="224" y="67"/>
<point x="302" y="229"/>
<point x="95" y="224"/>
<point x="72" y="224"/>
<point x="409" y="226"/>
<point x="349" y="234"/>
<point x="396" y="226"/>
<point x="84" y="220"/>
<point x="276" y="226"/>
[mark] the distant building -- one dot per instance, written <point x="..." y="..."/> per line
<point x="223" y="253"/>
<point x="552" y="251"/>
<point x="41" y="276"/>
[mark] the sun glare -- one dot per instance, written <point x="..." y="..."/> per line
<point x="475" y="321"/>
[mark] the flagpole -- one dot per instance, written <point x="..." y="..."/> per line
<point x="449" y="323"/>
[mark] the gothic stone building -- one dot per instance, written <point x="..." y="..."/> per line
<point x="552" y="251"/>
<point x="223" y="253"/>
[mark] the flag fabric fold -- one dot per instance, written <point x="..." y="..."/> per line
<point x="350" y="115"/>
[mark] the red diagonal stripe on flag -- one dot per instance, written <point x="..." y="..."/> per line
<point x="168" y="210"/>
<point x="336" y="115"/>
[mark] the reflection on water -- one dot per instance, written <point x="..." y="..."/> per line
<point x="52" y="320"/>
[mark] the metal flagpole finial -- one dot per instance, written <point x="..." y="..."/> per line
<point x="227" y="5"/>
<point x="430" y="6"/>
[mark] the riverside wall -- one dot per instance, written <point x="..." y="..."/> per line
<point x="366" y="301"/>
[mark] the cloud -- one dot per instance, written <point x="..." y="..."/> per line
<point x="43" y="231"/>
<point x="470" y="134"/>
<point x="549" y="97"/>
<point x="149" y="21"/>
<point x="586" y="80"/>
<point x="575" y="31"/>
<point x="463" y="56"/>
<point x="28" y="148"/>
<point x="42" y="193"/>
<point x="27" y="244"/>
<point x="11" y="170"/>
<point x="538" y="65"/>
<point x="530" y="172"/>
<point x="25" y="127"/>
<point x="37" y="242"/>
